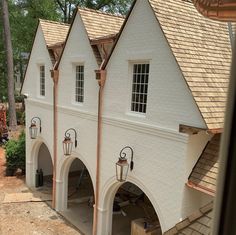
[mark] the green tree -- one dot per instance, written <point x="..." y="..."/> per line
<point x="3" y="81"/>
<point x="10" y="65"/>
<point x="24" y="17"/>
<point x="67" y="7"/>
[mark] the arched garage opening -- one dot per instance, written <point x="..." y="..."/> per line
<point x="44" y="168"/>
<point x="79" y="195"/>
<point x="133" y="213"/>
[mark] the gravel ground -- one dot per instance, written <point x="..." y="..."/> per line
<point x="27" y="218"/>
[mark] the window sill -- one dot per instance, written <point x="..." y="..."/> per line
<point x="42" y="97"/>
<point x="136" y="114"/>
<point x="78" y="104"/>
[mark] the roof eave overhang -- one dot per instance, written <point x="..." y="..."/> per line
<point x="103" y="40"/>
<point x="201" y="188"/>
<point x="191" y="130"/>
<point x="56" y="45"/>
<point x="215" y="131"/>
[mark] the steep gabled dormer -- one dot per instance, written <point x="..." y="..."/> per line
<point x="46" y="49"/>
<point x="89" y="42"/>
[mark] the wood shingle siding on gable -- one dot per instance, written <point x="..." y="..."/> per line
<point x="54" y="32"/>
<point x="204" y="173"/>
<point x="203" y="51"/>
<point x="99" y="24"/>
<point x="198" y="223"/>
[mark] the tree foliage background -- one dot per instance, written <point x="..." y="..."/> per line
<point x="24" y="15"/>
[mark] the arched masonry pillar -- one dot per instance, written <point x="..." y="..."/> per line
<point x="32" y="160"/>
<point x="62" y="179"/>
<point x="105" y="208"/>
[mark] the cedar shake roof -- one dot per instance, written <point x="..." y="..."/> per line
<point x="204" y="174"/>
<point x="202" y="49"/>
<point x="198" y="223"/>
<point x="99" y="24"/>
<point x="54" y="32"/>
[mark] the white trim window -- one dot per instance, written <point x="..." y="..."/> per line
<point x="79" y="84"/>
<point x="42" y="80"/>
<point x="140" y="87"/>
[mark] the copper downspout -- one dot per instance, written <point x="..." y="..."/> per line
<point x="54" y="75"/>
<point x="101" y="83"/>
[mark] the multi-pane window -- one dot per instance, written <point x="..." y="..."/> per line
<point x="79" y="84"/>
<point x="140" y="88"/>
<point x="42" y="80"/>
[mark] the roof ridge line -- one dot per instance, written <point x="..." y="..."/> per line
<point x="54" y="22"/>
<point x="100" y="12"/>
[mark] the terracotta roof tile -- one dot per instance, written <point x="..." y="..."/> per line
<point x="203" y="51"/>
<point x="54" y="32"/>
<point x="99" y="24"/>
<point x="204" y="173"/>
<point x="198" y="223"/>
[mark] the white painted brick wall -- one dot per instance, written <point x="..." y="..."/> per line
<point x="78" y="51"/>
<point x="161" y="163"/>
<point x="161" y="153"/>
<point x="169" y="100"/>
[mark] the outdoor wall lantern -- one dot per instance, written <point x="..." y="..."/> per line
<point x="68" y="143"/>
<point x="33" y="129"/>
<point x="122" y="166"/>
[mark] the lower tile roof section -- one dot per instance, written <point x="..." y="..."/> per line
<point x="199" y="223"/>
<point x="204" y="174"/>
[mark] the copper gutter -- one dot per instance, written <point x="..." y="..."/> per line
<point x="101" y="83"/>
<point x="54" y="75"/>
<point x="223" y="10"/>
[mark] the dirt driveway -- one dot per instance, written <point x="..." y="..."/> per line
<point x="22" y="217"/>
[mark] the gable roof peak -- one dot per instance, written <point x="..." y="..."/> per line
<point x="54" y="32"/>
<point x="100" y="24"/>
<point x="202" y="50"/>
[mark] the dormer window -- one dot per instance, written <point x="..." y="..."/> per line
<point x="79" y="84"/>
<point x="42" y="80"/>
<point x="140" y="87"/>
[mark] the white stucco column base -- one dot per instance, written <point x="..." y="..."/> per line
<point x="30" y="174"/>
<point x="104" y="226"/>
<point x="61" y="202"/>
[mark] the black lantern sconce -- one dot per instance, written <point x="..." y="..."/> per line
<point x="122" y="166"/>
<point x="33" y="129"/>
<point x="68" y="143"/>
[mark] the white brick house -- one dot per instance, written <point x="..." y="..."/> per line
<point x="164" y="96"/>
<point x="38" y="87"/>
